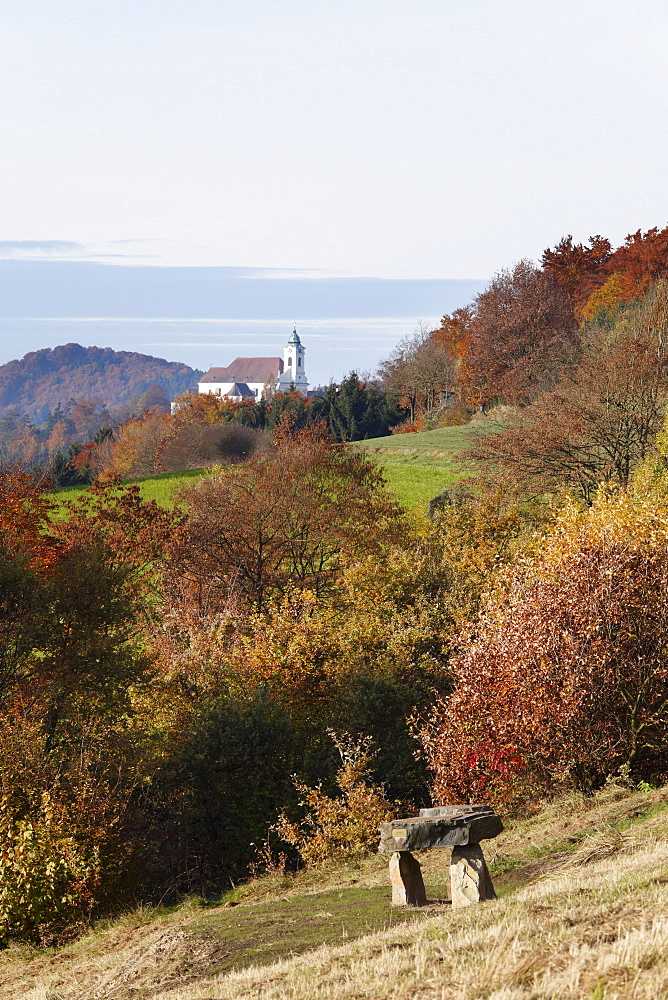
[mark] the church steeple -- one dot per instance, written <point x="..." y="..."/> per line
<point x="293" y="365"/>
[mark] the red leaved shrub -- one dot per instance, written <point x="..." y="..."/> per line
<point x="564" y="679"/>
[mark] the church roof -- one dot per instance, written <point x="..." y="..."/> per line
<point x="294" y="337"/>
<point x="240" y="389"/>
<point x="246" y="370"/>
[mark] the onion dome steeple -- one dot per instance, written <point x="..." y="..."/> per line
<point x="293" y="375"/>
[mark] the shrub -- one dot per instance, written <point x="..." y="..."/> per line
<point x="65" y="851"/>
<point x="343" y="827"/>
<point x="48" y="881"/>
<point x="565" y="676"/>
<point x="197" y="446"/>
<point x="216" y="793"/>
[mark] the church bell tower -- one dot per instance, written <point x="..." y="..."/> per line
<point x="293" y="373"/>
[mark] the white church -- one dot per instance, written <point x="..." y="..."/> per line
<point x="253" y="378"/>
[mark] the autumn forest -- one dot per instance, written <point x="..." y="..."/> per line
<point x="258" y="673"/>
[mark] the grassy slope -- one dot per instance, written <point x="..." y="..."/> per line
<point x="583" y="912"/>
<point x="161" y="487"/>
<point x="416" y="466"/>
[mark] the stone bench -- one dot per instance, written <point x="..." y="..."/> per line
<point x="459" y="827"/>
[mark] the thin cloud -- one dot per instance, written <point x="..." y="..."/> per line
<point x="30" y="249"/>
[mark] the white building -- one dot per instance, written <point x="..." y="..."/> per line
<point x="293" y="374"/>
<point x="252" y="378"/>
<point x="245" y="378"/>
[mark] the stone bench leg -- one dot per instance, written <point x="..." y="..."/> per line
<point x="469" y="876"/>
<point x="406" y="879"/>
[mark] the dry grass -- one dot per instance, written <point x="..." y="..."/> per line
<point x="602" y="932"/>
<point x="584" y="913"/>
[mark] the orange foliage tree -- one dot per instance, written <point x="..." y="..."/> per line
<point x="578" y="268"/>
<point x="520" y="339"/>
<point x="256" y="529"/>
<point x="584" y="270"/>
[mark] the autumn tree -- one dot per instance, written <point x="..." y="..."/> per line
<point x="75" y="603"/>
<point x="136" y="445"/>
<point x="27" y="555"/>
<point x="254" y="529"/>
<point x="626" y="273"/>
<point x="578" y="268"/>
<point x="601" y="421"/>
<point x="74" y="592"/>
<point x="522" y="338"/>
<point x="418" y="370"/>
<point x="88" y="416"/>
<point x="153" y="397"/>
<point x="641" y="260"/>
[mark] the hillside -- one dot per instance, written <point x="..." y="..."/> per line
<point x="40" y="380"/>
<point x="416" y="468"/>
<point x="583" y="912"/>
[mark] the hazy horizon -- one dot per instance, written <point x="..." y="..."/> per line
<point x="207" y="316"/>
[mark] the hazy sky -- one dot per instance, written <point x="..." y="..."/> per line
<point x="394" y="138"/>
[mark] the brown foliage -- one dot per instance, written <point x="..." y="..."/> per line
<point x="419" y="369"/>
<point x="256" y="529"/>
<point x="135" y="531"/>
<point x="195" y="447"/>
<point x="24" y="512"/>
<point x="600" y="422"/>
<point x="135" y="446"/>
<point x="565" y="677"/>
<point x="521" y="338"/>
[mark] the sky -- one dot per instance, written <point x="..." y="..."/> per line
<point x="207" y="316"/>
<point x="430" y="139"/>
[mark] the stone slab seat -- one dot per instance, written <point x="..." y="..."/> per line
<point x="442" y="826"/>
<point x="459" y="827"/>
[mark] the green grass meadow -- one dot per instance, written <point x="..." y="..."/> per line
<point x="161" y="488"/>
<point x="416" y="467"/>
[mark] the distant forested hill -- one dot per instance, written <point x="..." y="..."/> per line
<point x="41" y="380"/>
